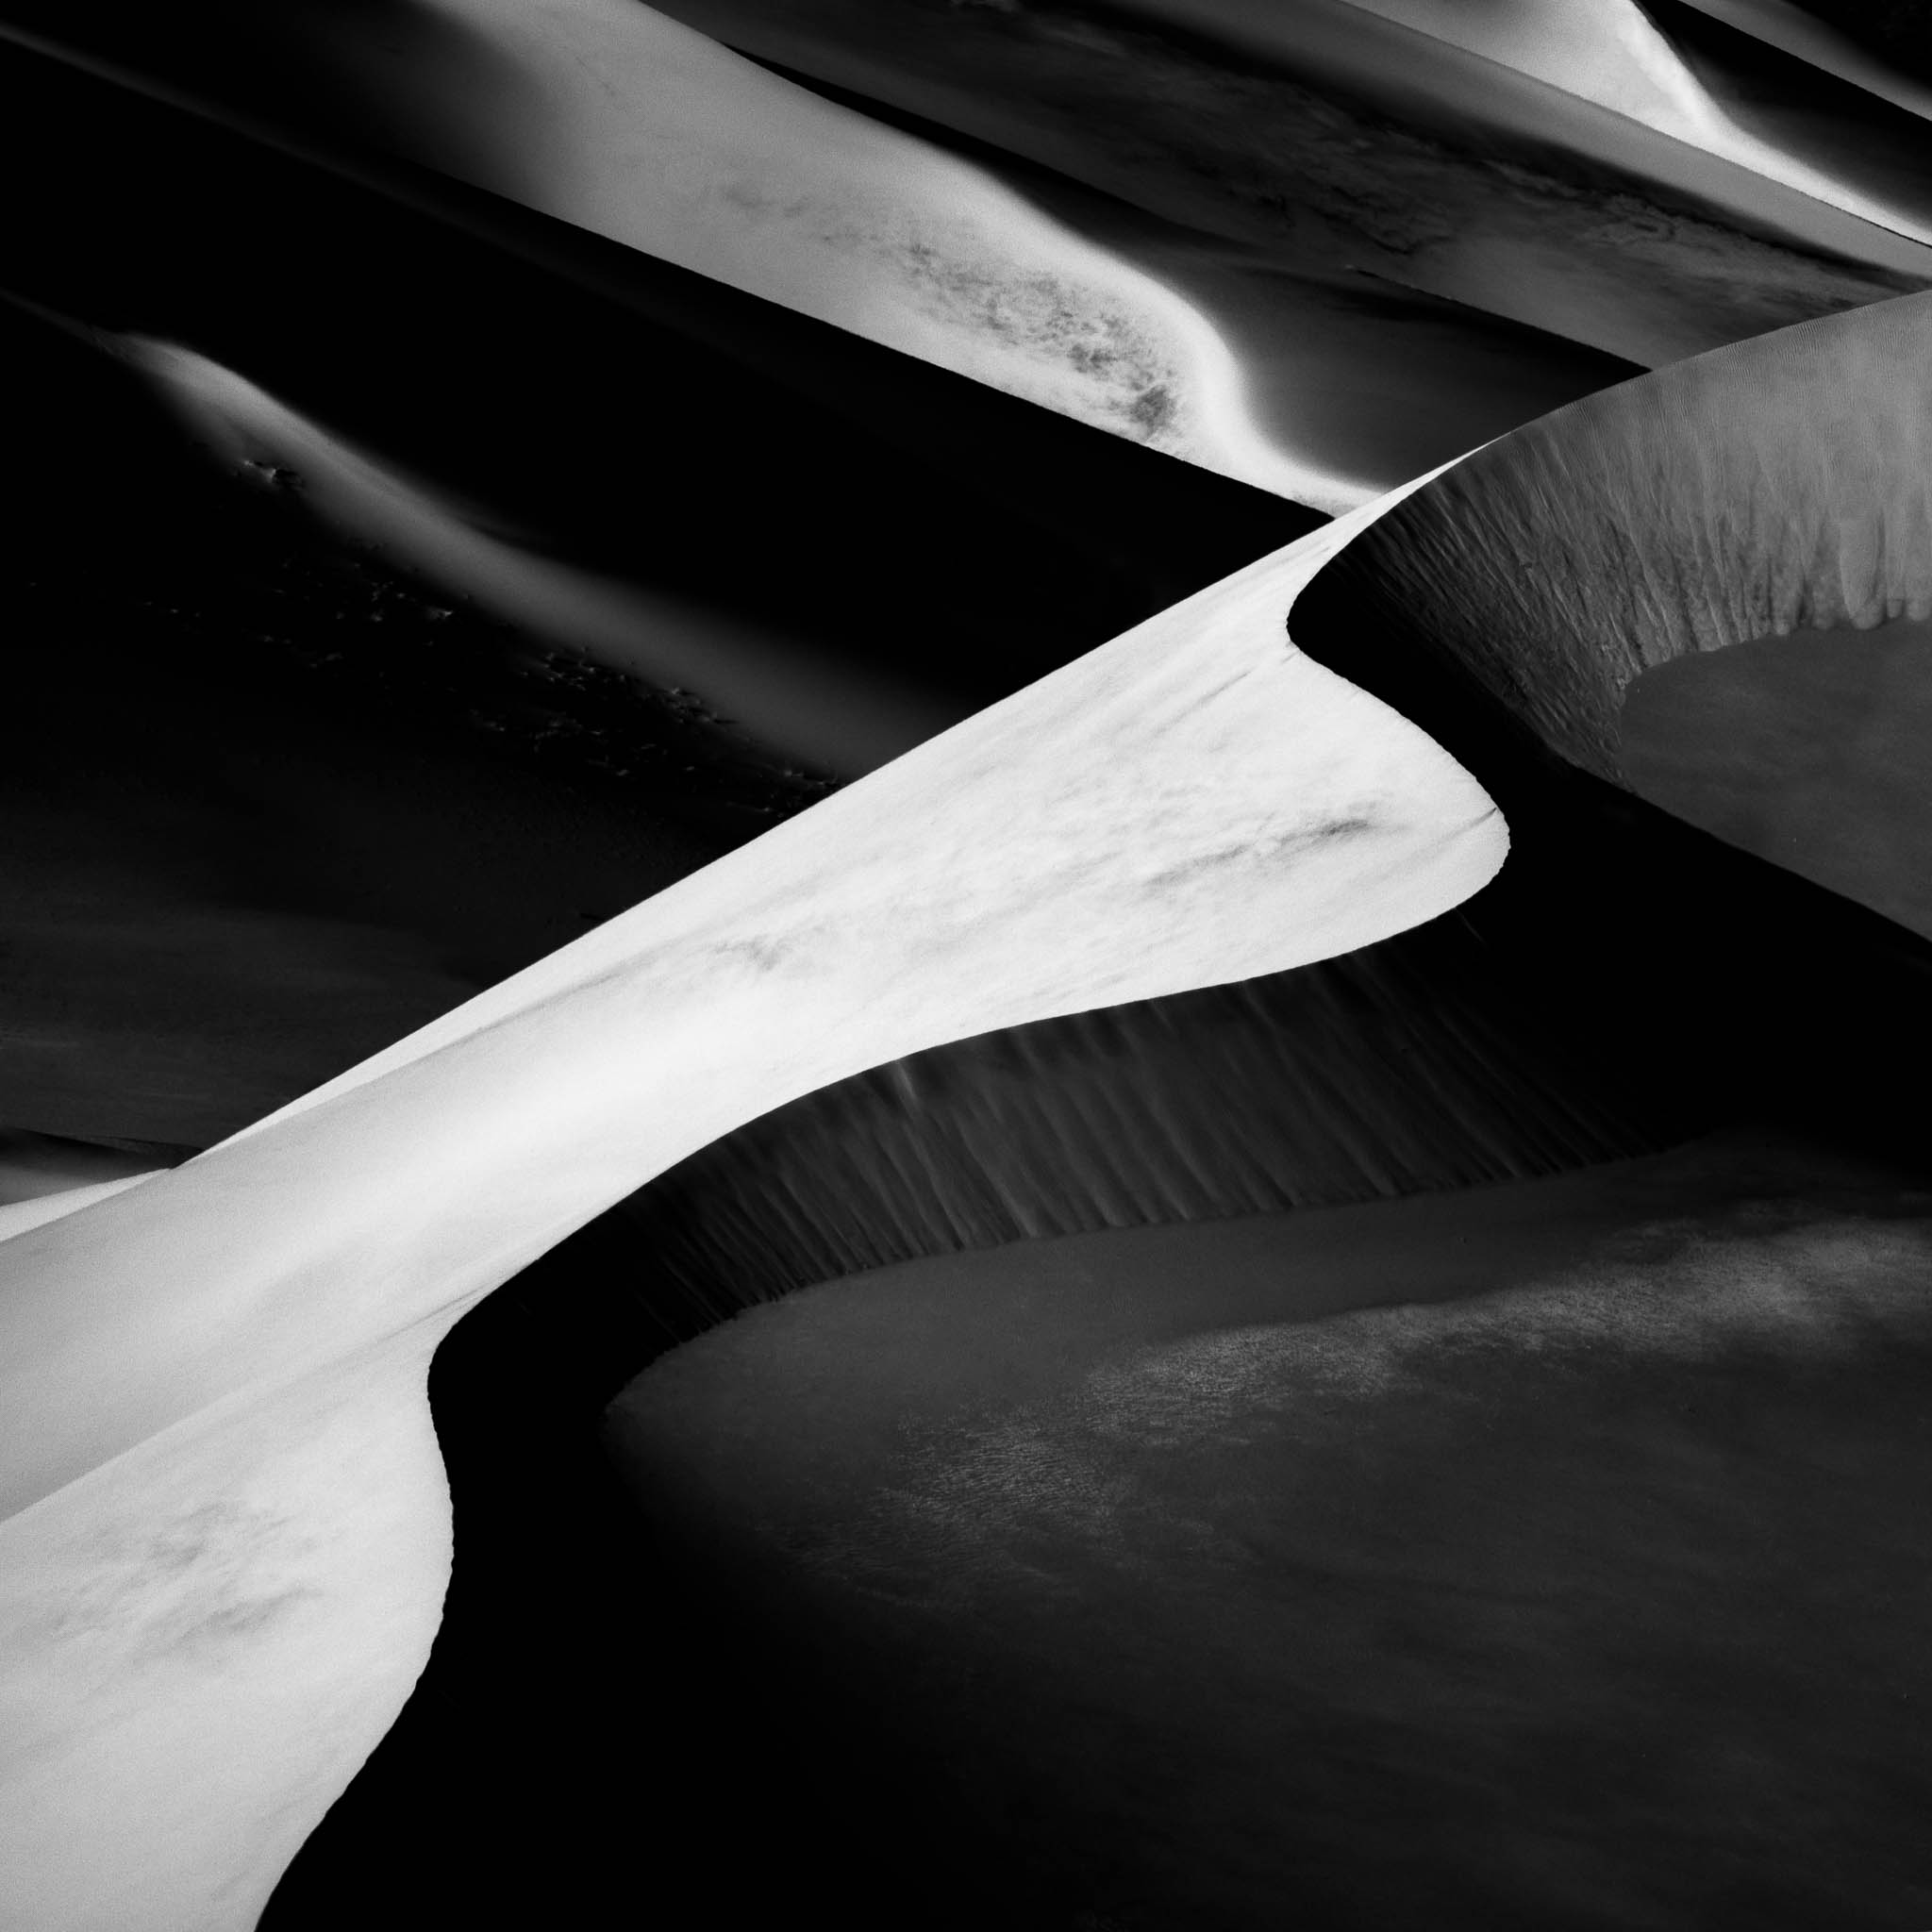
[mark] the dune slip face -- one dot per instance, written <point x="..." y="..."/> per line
<point x="1194" y="804"/>
<point x="1708" y="585"/>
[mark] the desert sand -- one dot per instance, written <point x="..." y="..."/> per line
<point x="513" y="493"/>
<point x="1767" y="490"/>
<point x="196" y="1362"/>
<point x="1533" y="1557"/>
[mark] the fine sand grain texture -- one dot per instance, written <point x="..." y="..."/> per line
<point x="1195" y="803"/>
<point x="1773" y="488"/>
<point x="1543" y="1557"/>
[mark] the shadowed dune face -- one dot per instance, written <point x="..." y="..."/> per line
<point x="1899" y="31"/>
<point x="1778" y="491"/>
<point x="1813" y="750"/>
<point x="1590" y="1598"/>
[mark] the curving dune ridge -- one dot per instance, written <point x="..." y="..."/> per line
<point x="1526" y="1558"/>
<point x="193" y="1362"/>
<point x="1773" y="491"/>
<point x="1386" y="1497"/>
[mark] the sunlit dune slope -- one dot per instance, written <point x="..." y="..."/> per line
<point x="622" y="121"/>
<point x="1775" y="490"/>
<point x="278" y="794"/>
<point x="228" y="1530"/>
<point x="1324" y="141"/>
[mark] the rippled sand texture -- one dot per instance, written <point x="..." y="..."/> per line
<point x="1776" y="489"/>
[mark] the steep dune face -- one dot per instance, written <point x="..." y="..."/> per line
<point x="1773" y="488"/>
<point x="1420" y="1063"/>
<point x="236" y="1350"/>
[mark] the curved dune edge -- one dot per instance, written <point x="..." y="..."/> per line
<point x="195" y="1366"/>
<point x="1780" y="485"/>
<point x="608" y="116"/>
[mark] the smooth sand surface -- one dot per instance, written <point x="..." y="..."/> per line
<point x="1195" y="803"/>
<point x="1807" y="749"/>
<point x="837" y="717"/>
<point x="629" y="124"/>
<point x="1539" y="1556"/>
<point x="1355" y="141"/>
<point x="1205" y="312"/>
<point x="1800" y="32"/>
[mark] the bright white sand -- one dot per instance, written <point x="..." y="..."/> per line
<point x="635" y="128"/>
<point x="226" y="1531"/>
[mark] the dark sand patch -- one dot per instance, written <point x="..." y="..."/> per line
<point x="1594" y="1599"/>
<point x="1813" y="750"/>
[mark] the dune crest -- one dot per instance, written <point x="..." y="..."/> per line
<point x="1775" y="487"/>
<point x="1194" y="804"/>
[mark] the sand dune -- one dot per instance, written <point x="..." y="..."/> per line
<point x="1328" y="141"/>
<point x="1611" y="52"/>
<point x="1773" y="489"/>
<point x="210" y="1350"/>
<point x="1322" y="312"/>
<point x="630" y="125"/>
<point x="1799" y="31"/>
<point x="1530" y="1558"/>
<point x="801" y="705"/>
<point x="225" y="1526"/>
